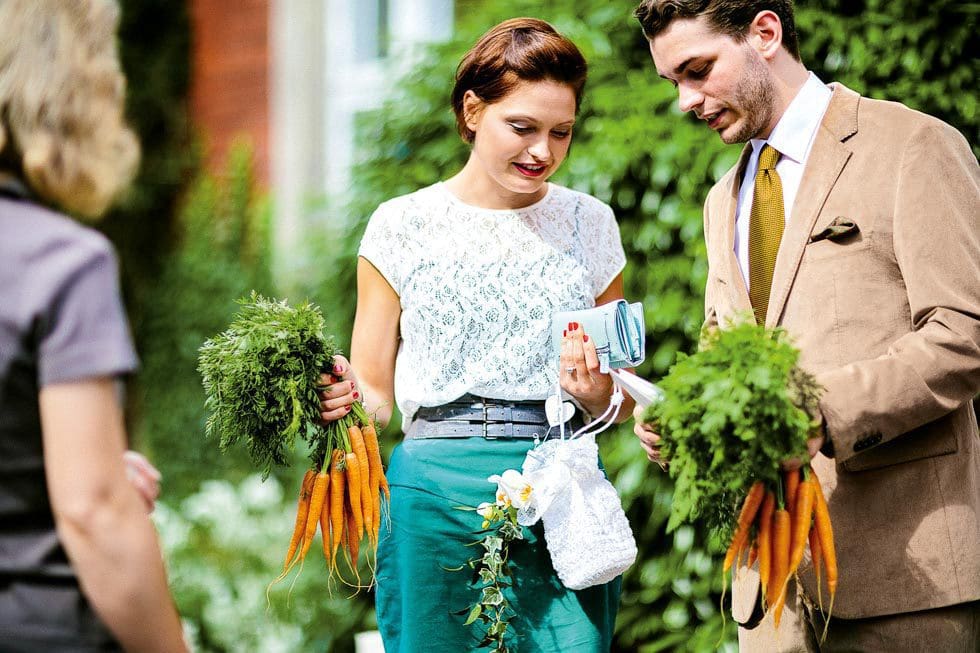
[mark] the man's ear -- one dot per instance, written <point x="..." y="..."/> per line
<point x="766" y="34"/>
<point x="472" y="109"/>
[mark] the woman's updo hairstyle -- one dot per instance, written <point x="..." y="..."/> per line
<point x="517" y="50"/>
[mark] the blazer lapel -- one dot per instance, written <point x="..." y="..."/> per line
<point x="827" y="159"/>
<point x="731" y="273"/>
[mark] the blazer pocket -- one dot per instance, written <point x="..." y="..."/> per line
<point x="934" y="439"/>
<point x="839" y="230"/>
<point x="841" y="237"/>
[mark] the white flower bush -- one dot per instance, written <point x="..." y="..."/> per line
<point x="223" y="546"/>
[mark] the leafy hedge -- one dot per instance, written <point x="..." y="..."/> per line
<point x="222" y="254"/>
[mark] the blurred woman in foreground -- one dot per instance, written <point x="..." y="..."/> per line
<point x="80" y="566"/>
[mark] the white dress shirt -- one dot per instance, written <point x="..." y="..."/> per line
<point x="792" y="137"/>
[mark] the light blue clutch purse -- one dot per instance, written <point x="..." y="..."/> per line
<point x="616" y="328"/>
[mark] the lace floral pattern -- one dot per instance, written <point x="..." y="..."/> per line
<point x="478" y="288"/>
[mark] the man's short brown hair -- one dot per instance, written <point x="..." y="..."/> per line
<point x="731" y="17"/>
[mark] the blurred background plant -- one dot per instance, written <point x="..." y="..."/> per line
<point x="193" y="241"/>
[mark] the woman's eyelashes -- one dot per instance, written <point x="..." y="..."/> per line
<point x="523" y="130"/>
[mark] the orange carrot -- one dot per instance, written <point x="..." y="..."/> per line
<point x="791" y="482"/>
<point x="765" y="541"/>
<point x="377" y="474"/>
<point x="749" y="509"/>
<point x="338" y="482"/>
<point x="781" y="539"/>
<point x="302" y="510"/>
<point x="816" y="553"/>
<point x="825" y="532"/>
<point x="385" y="488"/>
<point x="325" y="526"/>
<point x="353" y="542"/>
<point x="375" y="466"/>
<point x="352" y="547"/>
<point x="376" y="511"/>
<point x="354" y="492"/>
<point x="802" y="519"/>
<point x="316" y="507"/>
<point x="753" y="553"/>
<point x="360" y="450"/>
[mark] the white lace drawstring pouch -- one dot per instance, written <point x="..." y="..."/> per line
<point x="585" y="527"/>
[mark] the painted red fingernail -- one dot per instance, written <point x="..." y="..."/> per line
<point x="351" y="385"/>
<point x="574" y="326"/>
<point x="347" y="410"/>
<point x="585" y="338"/>
<point x="564" y="332"/>
<point x="356" y="395"/>
<point x="571" y="326"/>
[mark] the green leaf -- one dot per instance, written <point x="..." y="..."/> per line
<point x="474" y="614"/>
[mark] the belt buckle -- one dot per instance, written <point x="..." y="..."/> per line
<point x="486" y="432"/>
<point x="505" y="420"/>
<point x="508" y="428"/>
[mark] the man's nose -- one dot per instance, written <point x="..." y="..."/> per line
<point x="688" y="98"/>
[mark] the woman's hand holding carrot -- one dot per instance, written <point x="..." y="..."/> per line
<point x="339" y="390"/>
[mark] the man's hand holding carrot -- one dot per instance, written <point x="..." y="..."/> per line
<point x="649" y="438"/>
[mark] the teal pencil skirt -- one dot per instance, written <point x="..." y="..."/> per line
<point x="417" y="598"/>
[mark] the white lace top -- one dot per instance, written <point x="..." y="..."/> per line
<point x="478" y="288"/>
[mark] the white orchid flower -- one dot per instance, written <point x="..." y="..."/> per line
<point x="512" y="489"/>
<point x="484" y="509"/>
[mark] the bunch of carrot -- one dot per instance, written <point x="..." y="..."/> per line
<point x="343" y="496"/>
<point x="775" y="529"/>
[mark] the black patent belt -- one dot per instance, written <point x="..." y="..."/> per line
<point x="471" y="416"/>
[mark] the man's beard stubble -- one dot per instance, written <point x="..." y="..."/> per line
<point x="754" y="99"/>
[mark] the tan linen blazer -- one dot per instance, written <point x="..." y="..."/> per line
<point x="878" y="282"/>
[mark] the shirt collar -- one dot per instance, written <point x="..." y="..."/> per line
<point x="12" y="186"/>
<point x="793" y="135"/>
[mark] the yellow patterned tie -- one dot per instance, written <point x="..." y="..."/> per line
<point x="765" y="231"/>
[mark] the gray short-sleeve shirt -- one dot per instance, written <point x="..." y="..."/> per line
<point x="61" y="320"/>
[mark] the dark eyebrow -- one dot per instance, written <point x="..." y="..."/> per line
<point x="684" y="64"/>
<point x="530" y="119"/>
<point x="680" y="68"/>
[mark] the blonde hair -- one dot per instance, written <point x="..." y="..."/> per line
<point x="62" y="101"/>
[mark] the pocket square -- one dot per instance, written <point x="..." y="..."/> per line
<point x="839" y="229"/>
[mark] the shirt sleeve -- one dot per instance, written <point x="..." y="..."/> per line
<point x="608" y="256"/>
<point x="82" y="331"/>
<point x="383" y="247"/>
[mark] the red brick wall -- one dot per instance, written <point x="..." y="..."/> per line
<point x="230" y="77"/>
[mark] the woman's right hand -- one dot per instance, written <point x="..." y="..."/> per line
<point x="339" y="390"/>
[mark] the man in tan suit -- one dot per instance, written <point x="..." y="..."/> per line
<point x="855" y="225"/>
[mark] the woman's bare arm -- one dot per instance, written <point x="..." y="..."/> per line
<point x="100" y="517"/>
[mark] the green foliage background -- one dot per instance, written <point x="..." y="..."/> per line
<point x="192" y="243"/>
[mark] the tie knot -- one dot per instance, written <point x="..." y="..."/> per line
<point x="768" y="157"/>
